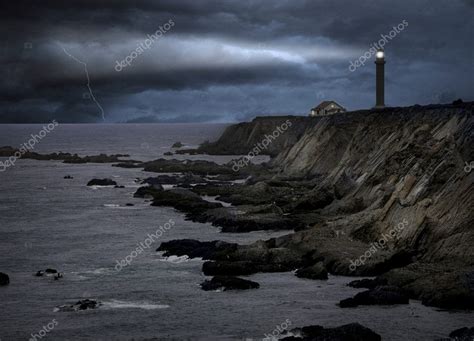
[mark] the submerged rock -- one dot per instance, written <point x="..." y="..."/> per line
<point x="68" y="177"/>
<point x="347" y="332"/>
<point x="4" y="279"/>
<point x="101" y="182"/>
<point x="228" y="283"/>
<point x="382" y="295"/>
<point x="79" y="305"/>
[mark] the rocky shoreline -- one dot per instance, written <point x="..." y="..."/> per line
<point x="340" y="190"/>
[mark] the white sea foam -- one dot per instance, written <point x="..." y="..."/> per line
<point x="117" y="304"/>
<point x="111" y="205"/>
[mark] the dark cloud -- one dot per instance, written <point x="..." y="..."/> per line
<point x="224" y="60"/>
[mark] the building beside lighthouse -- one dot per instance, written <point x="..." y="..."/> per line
<point x="326" y="108"/>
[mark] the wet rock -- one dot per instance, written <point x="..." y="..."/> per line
<point x="462" y="334"/>
<point x="4" y="279"/>
<point x="347" y="332"/>
<point x="228" y="283"/>
<point x="224" y="268"/>
<point x="68" y="177"/>
<point x="382" y="295"/>
<point x="79" y="305"/>
<point x="101" y="182"/>
<point x="168" y="154"/>
<point x="147" y="191"/>
<point x="368" y="283"/>
<point x="185" y="201"/>
<point x="246" y="260"/>
<point x="47" y="272"/>
<point x="177" y="145"/>
<point x="194" y="249"/>
<point x="129" y="204"/>
<point x="316" y="271"/>
<point x="119" y="186"/>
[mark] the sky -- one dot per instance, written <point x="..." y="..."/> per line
<point x="168" y="61"/>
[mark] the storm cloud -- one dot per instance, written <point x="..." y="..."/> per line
<point x="224" y="61"/>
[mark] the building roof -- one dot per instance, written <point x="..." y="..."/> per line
<point x="324" y="104"/>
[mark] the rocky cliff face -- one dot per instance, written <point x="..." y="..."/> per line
<point x="404" y="163"/>
<point x="399" y="171"/>
<point x="241" y="138"/>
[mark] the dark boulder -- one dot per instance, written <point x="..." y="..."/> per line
<point x="79" y="305"/>
<point x="147" y="191"/>
<point x="382" y="295"/>
<point x="101" y="182"/>
<point x="4" y="279"/>
<point x="228" y="283"/>
<point x="177" y="145"/>
<point x="463" y="334"/>
<point x="194" y="248"/>
<point x="68" y="177"/>
<point x="316" y="271"/>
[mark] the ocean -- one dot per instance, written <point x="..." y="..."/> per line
<point x="47" y="221"/>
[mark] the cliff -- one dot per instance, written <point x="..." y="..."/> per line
<point x="241" y="138"/>
<point x="370" y="171"/>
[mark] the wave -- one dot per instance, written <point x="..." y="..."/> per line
<point x="117" y="304"/>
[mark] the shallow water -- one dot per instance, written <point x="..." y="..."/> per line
<point x="48" y="221"/>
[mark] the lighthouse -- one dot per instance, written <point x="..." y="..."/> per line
<point x="380" y="79"/>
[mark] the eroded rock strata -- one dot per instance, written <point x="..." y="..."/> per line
<point x="367" y="193"/>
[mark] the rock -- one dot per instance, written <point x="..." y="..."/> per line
<point x="177" y="145"/>
<point x="101" y="182"/>
<point x="316" y="271"/>
<point x="223" y="268"/>
<point x="48" y="272"/>
<point x="193" y="248"/>
<point x="381" y="295"/>
<point x="129" y="204"/>
<point x="368" y="283"/>
<point x="168" y="154"/>
<point x="119" y="186"/>
<point x="147" y="191"/>
<point x="184" y="201"/>
<point x="68" y="177"/>
<point x="347" y="332"/>
<point x="228" y="283"/>
<point x="4" y="279"/>
<point x="462" y="334"/>
<point x="79" y="305"/>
